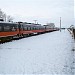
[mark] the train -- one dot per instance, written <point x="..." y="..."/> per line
<point x="8" y="31"/>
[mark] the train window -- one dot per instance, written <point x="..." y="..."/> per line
<point x="0" y="28"/>
<point x="31" y="28"/>
<point x="38" y="28"/>
<point x="28" y="28"/>
<point x="35" y="28"/>
<point x="21" y="27"/>
<point x="13" y="29"/>
<point x="6" y="28"/>
<point x="25" y="28"/>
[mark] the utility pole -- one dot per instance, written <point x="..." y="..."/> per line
<point x="35" y="21"/>
<point x="60" y="24"/>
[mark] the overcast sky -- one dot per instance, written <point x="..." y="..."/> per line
<point x="44" y="11"/>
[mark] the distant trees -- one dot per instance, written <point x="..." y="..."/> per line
<point x="9" y="18"/>
<point x="51" y="25"/>
<point x="4" y="17"/>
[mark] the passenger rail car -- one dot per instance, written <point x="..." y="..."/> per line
<point x="8" y="31"/>
<point x="30" y="29"/>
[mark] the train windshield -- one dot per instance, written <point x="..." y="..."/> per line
<point x="1" y="27"/>
<point x="8" y="27"/>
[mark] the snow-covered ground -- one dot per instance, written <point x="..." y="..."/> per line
<point x="49" y="53"/>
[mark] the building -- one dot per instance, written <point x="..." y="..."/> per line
<point x="51" y="25"/>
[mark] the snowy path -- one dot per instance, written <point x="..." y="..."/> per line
<point x="48" y="53"/>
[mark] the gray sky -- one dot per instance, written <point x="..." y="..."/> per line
<point x="45" y="11"/>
